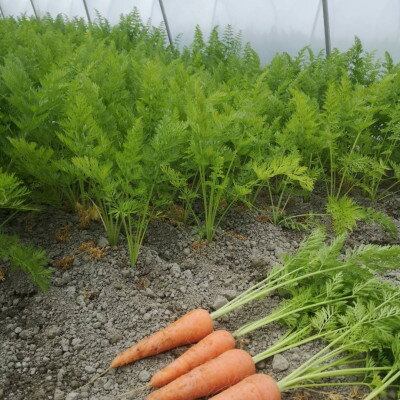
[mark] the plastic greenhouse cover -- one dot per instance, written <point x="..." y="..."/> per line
<point x="375" y="22"/>
<point x="69" y="8"/>
<point x="16" y="7"/>
<point x="269" y="25"/>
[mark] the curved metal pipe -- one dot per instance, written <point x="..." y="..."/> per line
<point x="164" y="14"/>
<point x="327" y="27"/>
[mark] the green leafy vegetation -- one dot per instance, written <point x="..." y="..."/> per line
<point x="336" y="299"/>
<point x="110" y="118"/>
<point x="13" y="199"/>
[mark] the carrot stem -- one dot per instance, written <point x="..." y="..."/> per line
<point x="381" y="388"/>
<point x="268" y="288"/>
<point x="279" y="316"/>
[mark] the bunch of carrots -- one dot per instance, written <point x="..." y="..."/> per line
<point x="349" y="316"/>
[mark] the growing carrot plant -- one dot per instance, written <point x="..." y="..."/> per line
<point x="13" y="197"/>
<point x="204" y="128"/>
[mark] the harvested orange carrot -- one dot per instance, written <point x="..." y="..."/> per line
<point x="254" y="387"/>
<point x="210" y="347"/>
<point x="191" y="328"/>
<point x="215" y="375"/>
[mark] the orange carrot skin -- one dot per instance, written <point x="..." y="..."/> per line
<point x="188" y="329"/>
<point x="254" y="387"/>
<point x="208" y="348"/>
<point x="215" y="375"/>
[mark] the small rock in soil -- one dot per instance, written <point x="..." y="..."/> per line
<point x="230" y="294"/>
<point x="144" y="375"/>
<point x="279" y="363"/>
<point x="219" y="302"/>
<point x="103" y="242"/>
<point x="72" y="396"/>
<point x="257" y="261"/>
<point x="59" y="394"/>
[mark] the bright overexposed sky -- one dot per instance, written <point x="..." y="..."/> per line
<point x="270" y="25"/>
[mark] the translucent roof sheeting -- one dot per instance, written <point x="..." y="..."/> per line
<point x="16" y="7"/>
<point x="375" y="22"/>
<point x="69" y="8"/>
<point x="269" y="25"/>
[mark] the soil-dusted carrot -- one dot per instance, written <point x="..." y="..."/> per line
<point x="191" y="328"/>
<point x="254" y="387"/>
<point x="215" y="375"/>
<point x="208" y="348"/>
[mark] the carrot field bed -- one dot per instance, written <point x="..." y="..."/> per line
<point x="139" y="181"/>
<point x="55" y="342"/>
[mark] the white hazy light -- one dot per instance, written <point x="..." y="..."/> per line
<point x="269" y="25"/>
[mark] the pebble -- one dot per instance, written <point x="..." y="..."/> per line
<point x="186" y="252"/>
<point x="144" y="375"/>
<point x="176" y="270"/>
<point x="295" y="357"/>
<point x="270" y="246"/>
<point x="58" y="351"/>
<point x="103" y="242"/>
<point x="230" y="294"/>
<point x="18" y="330"/>
<point x="71" y="290"/>
<point x="61" y="373"/>
<point x="188" y="274"/>
<point x="257" y="261"/>
<point x="101" y="318"/>
<point x="219" y="302"/>
<point x="108" y="385"/>
<point x="261" y="365"/>
<point x="53" y="331"/>
<point x="64" y="342"/>
<point x="75" y="384"/>
<point x="72" y="396"/>
<point x="25" y="334"/>
<point x="58" y="394"/>
<point x="279" y="252"/>
<point x="280" y="363"/>
<point x="114" y="336"/>
<point x="147" y="317"/>
<point x="89" y="369"/>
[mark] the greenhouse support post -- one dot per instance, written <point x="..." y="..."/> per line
<point x="34" y="9"/>
<point x="165" y="21"/>
<point x="87" y="11"/>
<point x="1" y="13"/>
<point x="326" y="27"/>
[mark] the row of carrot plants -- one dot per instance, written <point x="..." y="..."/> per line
<point x="344" y="305"/>
<point x="115" y="124"/>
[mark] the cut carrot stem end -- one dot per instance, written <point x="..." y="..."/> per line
<point x="215" y="375"/>
<point x="189" y="329"/>
<point x="207" y="349"/>
<point x="254" y="387"/>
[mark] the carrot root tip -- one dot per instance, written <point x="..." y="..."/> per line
<point x="133" y="391"/>
<point x="98" y="376"/>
